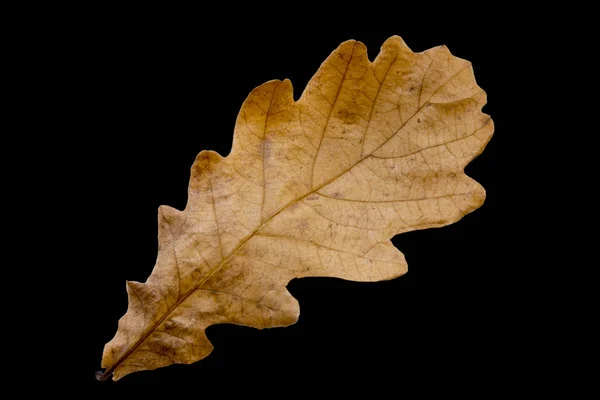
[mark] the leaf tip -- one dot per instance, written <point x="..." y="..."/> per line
<point x="479" y="195"/>
<point x="350" y="49"/>
<point x="168" y="214"/>
<point x="133" y="286"/>
<point x="286" y="84"/>
<point x="395" y="42"/>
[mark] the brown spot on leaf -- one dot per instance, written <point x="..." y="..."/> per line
<point x="303" y="225"/>
<point x="348" y="117"/>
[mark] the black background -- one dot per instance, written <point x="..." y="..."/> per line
<point x="149" y="88"/>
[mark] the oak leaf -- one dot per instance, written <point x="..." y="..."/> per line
<point x="314" y="187"/>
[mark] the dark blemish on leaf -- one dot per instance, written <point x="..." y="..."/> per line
<point x="197" y="271"/>
<point x="418" y="119"/>
<point x="266" y="147"/>
<point x="312" y="196"/>
<point x="169" y="326"/>
<point x="303" y="225"/>
<point x="163" y="349"/>
<point x="348" y="117"/>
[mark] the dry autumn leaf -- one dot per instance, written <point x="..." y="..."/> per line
<point x="316" y="187"/>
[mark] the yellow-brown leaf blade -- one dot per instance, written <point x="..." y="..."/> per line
<point x="315" y="187"/>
